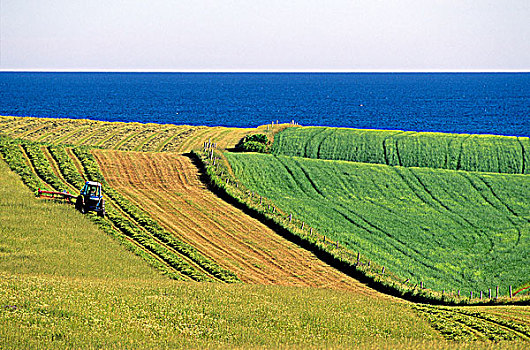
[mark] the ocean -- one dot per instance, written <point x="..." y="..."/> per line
<point x="483" y="103"/>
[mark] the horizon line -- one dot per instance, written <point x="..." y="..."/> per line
<point x="118" y="70"/>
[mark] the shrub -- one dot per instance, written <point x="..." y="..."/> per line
<point x="254" y="143"/>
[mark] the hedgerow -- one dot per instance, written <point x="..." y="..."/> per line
<point x="254" y="143"/>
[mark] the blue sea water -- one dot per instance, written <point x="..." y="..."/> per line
<point x="494" y="103"/>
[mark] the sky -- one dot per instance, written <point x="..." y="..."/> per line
<point x="265" y="35"/>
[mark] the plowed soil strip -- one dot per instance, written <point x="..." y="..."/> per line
<point x="167" y="186"/>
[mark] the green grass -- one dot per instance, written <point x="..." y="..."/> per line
<point x="40" y="237"/>
<point x="66" y="284"/>
<point x="487" y="153"/>
<point x="453" y="230"/>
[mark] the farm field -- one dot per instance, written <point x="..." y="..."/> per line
<point x="167" y="185"/>
<point x="451" y="230"/>
<point x="487" y="153"/>
<point x="121" y="136"/>
<point x="160" y="210"/>
<point x="64" y="283"/>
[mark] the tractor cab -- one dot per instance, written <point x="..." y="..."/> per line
<point x="91" y="189"/>
<point x="91" y="199"/>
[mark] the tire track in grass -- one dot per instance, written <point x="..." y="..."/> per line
<point x="464" y="325"/>
<point x="280" y="261"/>
<point x="500" y="200"/>
<point x="469" y="178"/>
<point x="367" y="222"/>
<point x="370" y="229"/>
<point x="518" y="330"/>
<point x="417" y="192"/>
<point x="443" y="205"/>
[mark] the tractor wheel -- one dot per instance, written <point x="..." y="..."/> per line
<point x="80" y="205"/>
<point x="101" y="213"/>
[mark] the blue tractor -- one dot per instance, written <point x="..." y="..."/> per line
<point x="91" y="199"/>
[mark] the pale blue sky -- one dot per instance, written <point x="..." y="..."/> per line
<point x="268" y="35"/>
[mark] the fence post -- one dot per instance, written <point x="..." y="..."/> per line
<point x="311" y="230"/>
<point x="383" y="271"/>
<point x="303" y="225"/>
<point x="489" y="293"/>
<point x="471" y="295"/>
<point x="458" y="293"/>
<point x="421" y="285"/>
<point x="480" y="295"/>
<point x="511" y="295"/>
<point x="497" y="292"/>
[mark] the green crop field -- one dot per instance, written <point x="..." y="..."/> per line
<point x="452" y="230"/>
<point x="487" y="153"/>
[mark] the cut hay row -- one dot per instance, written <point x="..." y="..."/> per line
<point x="475" y="324"/>
<point x="168" y="187"/>
<point x="155" y="233"/>
<point x="485" y="153"/>
<point x="189" y="264"/>
<point x="120" y="136"/>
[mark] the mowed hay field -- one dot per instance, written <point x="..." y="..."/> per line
<point x="66" y="284"/>
<point x="121" y="136"/>
<point x="167" y="185"/>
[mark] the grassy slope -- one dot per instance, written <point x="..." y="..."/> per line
<point x="51" y="239"/>
<point x="489" y="153"/>
<point x="452" y="230"/>
<point x="66" y="284"/>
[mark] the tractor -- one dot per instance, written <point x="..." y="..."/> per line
<point x="91" y="199"/>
